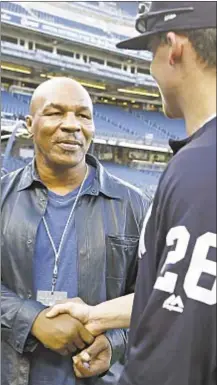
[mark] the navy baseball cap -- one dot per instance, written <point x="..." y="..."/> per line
<point x="165" y="16"/>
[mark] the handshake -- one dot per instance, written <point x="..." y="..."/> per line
<point x="72" y="327"/>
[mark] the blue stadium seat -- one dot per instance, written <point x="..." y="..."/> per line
<point x="113" y="121"/>
<point x="23" y="98"/>
<point x="11" y="104"/>
<point x="140" y="123"/>
<point x="16" y="8"/>
<point x="174" y="128"/>
<point x="72" y="24"/>
<point x="146" y="180"/>
<point x="14" y="163"/>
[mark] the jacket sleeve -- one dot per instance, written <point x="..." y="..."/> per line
<point x="140" y="204"/>
<point x="118" y="339"/>
<point x="17" y="317"/>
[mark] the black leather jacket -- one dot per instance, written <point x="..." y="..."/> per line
<point x="108" y="220"/>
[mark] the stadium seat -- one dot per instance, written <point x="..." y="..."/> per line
<point x="146" y="180"/>
<point x="10" y="104"/>
<point x="113" y="121"/>
<point x="14" y="163"/>
<point x="142" y="123"/>
<point x="72" y="24"/>
<point x="15" y="8"/>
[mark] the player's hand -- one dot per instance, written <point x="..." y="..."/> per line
<point x="62" y="334"/>
<point x="74" y="307"/>
<point x="78" y="309"/>
<point x="95" y="360"/>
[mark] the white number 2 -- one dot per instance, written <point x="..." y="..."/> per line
<point x="199" y="264"/>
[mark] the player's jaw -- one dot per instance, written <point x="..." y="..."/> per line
<point x="169" y="91"/>
<point x="168" y="80"/>
<point x="171" y="107"/>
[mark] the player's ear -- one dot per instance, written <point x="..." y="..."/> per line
<point x="28" y="120"/>
<point x="175" y="43"/>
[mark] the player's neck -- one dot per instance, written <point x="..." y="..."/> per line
<point x="200" y="104"/>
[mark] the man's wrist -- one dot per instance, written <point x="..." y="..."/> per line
<point x="111" y="350"/>
<point x="96" y="321"/>
<point x="34" y="329"/>
<point x="23" y="322"/>
<point x="103" y="319"/>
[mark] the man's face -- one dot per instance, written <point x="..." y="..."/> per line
<point x="62" y="125"/>
<point x="167" y="78"/>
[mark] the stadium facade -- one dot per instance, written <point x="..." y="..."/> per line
<point x="41" y="40"/>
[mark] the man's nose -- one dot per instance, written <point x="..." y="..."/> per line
<point x="70" y="122"/>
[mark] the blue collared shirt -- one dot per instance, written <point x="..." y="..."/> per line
<point x="48" y="367"/>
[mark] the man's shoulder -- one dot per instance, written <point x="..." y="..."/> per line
<point x="116" y="186"/>
<point x="190" y="176"/>
<point x="126" y="189"/>
<point x="10" y="181"/>
<point x="10" y="176"/>
<point x="196" y="160"/>
<point x="201" y="148"/>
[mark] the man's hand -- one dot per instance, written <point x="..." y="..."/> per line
<point x="74" y="307"/>
<point x="95" y="360"/>
<point x="113" y="314"/>
<point x="63" y="334"/>
<point x="78" y="309"/>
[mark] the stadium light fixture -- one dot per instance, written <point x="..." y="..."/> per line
<point x="97" y="86"/>
<point x="47" y="76"/>
<point x="15" y="69"/>
<point x="134" y="92"/>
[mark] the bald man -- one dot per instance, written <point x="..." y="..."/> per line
<point x="69" y="229"/>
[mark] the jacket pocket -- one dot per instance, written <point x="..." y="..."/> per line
<point x="120" y="253"/>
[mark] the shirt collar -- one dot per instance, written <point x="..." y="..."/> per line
<point x="176" y="145"/>
<point x="29" y="176"/>
<point x="102" y="183"/>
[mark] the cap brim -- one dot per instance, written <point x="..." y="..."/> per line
<point x="137" y="43"/>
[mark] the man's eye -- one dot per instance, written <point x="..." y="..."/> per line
<point x="53" y="113"/>
<point x="84" y="116"/>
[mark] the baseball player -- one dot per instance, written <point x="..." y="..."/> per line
<point x="173" y="326"/>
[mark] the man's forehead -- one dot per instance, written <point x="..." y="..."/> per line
<point x="67" y="102"/>
<point x="62" y="92"/>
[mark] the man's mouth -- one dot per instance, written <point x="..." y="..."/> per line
<point x="70" y="145"/>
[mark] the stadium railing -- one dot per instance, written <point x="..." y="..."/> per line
<point x="74" y="64"/>
<point x="73" y="34"/>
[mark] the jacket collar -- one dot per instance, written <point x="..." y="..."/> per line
<point x="103" y="182"/>
<point x="29" y="176"/>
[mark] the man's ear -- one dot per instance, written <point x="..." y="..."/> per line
<point x="28" y="119"/>
<point x="175" y="48"/>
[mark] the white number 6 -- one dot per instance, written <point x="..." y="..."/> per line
<point x="199" y="264"/>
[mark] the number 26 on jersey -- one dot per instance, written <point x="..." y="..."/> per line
<point x="199" y="264"/>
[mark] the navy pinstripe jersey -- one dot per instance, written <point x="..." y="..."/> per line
<point x="173" y="327"/>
